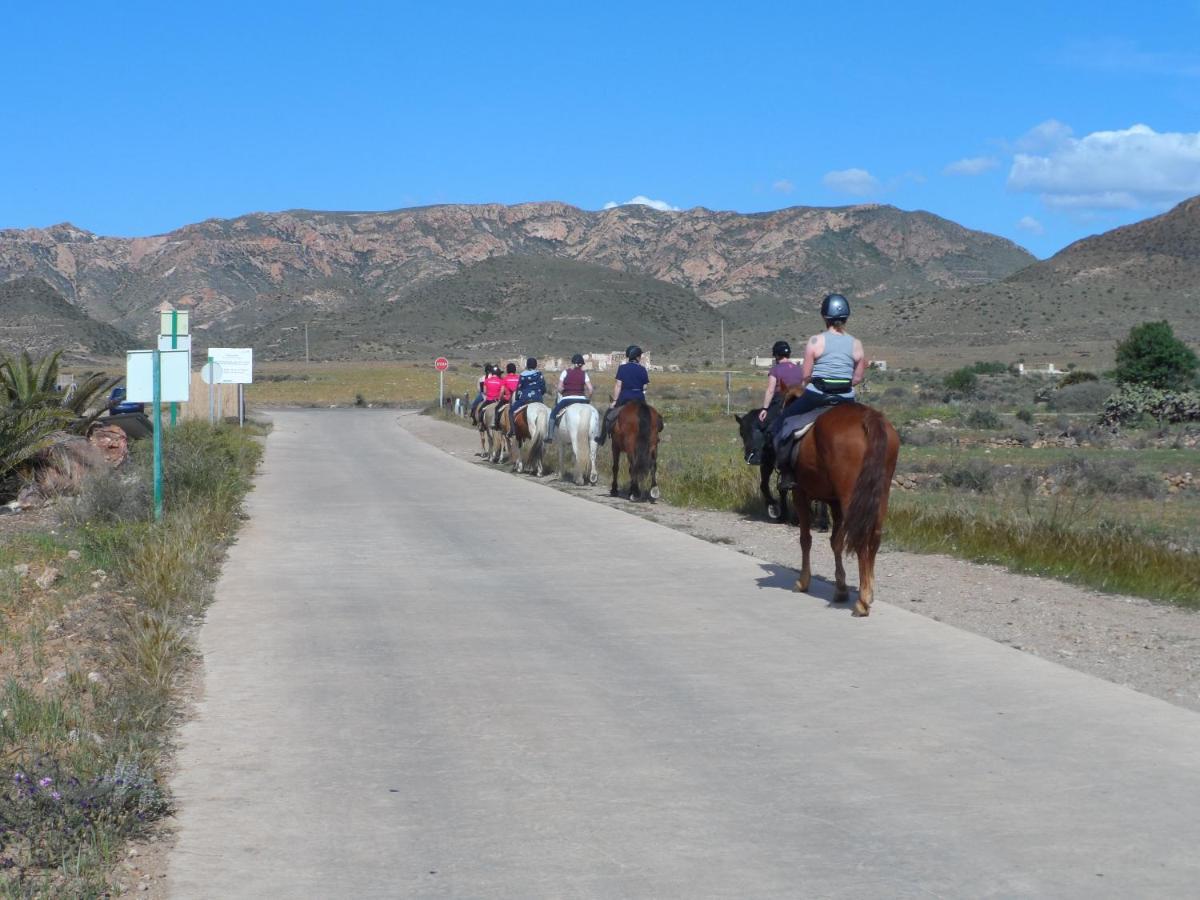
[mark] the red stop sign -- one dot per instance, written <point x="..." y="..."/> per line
<point x="441" y="364"/>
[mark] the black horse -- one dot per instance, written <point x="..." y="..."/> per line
<point x="760" y="451"/>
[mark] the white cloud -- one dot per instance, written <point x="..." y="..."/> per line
<point x="1127" y="169"/>
<point x="974" y="165"/>
<point x="1030" y="224"/>
<point x="783" y="186"/>
<point x="858" y="182"/>
<point x="641" y="200"/>
<point x="1049" y="135"/>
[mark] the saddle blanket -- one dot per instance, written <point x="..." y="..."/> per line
<point x="562" y="412"/>
<point x="794" y="428"/>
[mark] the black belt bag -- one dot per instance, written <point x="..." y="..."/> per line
<point x="833" y="385"/>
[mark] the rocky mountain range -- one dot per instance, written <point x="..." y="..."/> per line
<point x="1073" y="306"/>
<point x="416" y="279"/>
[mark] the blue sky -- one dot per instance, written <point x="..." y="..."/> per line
<point x="1042" y="122"/>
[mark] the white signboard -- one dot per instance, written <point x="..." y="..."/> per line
<point x="174" y="321"/>
<point x="182" y="342"/>
<point x="236" y="364"/>
<point x="175" y="376"/>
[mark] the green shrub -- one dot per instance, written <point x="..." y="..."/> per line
<point x="48" y="811"/>
<point x="983" y="418"/>
<point x="1077" y="376"/>
<point x="961" y="381"/>
<point x="1105" y="477"/>
<point x="1151" y="355"/>
<point x="1025" y="415"/>
<point x="973" y="475"/>
<point x="1134" y="402"/>
<point x="989" y="368"/>
<point x="109" y="496"/>
<point x="1085" y="396"/>
<point x="925" y="437"/>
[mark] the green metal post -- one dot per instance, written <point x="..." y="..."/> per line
<point x="158" y="473"/>
<point x="174" y="346"/>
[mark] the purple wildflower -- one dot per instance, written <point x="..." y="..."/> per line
<point x="45" y="782"/>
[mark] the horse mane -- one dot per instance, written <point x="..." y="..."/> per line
<point x="862" y="518"/>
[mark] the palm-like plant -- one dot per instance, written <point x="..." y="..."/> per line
<point x="25" y="431"/>
<point x="88" y="399"/>
<point x="28" y="382"/>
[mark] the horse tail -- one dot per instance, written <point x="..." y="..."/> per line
<point x="862" y="519"/>
<point x="641" y="449"/>
<point x="579" y="437"/>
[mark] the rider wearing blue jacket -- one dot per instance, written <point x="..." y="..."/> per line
<point x="530" y="389"/>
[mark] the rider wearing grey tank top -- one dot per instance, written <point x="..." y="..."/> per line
<point x="837" y="362"/>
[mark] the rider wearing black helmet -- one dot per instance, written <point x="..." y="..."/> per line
<point x="834" y="361"/>
<point x="630" y="385"/>
<point x="574" y="386"/>
<point x="781" y="376"/>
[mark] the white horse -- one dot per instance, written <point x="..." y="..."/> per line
<point x="531" y="439"/>
<point x="579" y="429"/>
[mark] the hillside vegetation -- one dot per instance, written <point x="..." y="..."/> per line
<point x="35" y="318"/>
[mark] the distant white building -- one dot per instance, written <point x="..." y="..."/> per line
<point x="762" y="362"/>
<point x="1050" y="370"/>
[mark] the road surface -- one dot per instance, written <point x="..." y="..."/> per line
<point x="425" y="678"/>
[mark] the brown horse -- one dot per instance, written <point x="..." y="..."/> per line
<point x="635" y="433"/>
<point x="847" y="460"/>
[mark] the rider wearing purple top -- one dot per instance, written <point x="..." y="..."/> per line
<point x="783" y="375"/>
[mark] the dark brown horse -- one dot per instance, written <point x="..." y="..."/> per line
<point x="635" y="433"/>
<point x="847" y="460"/>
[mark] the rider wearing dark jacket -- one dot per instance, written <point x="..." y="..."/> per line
<point x="630" y="384"/>
<point x="530" y="389"/>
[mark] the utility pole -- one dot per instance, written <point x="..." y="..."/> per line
<point x="306" y="343"/>
<point x="722" y="343"/>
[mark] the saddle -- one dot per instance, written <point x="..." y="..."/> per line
<point x="562" y="412"/>
<point x="794" y="428"/>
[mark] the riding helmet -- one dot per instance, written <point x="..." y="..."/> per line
<point x="577" y="359"/>
<point x="834" y="308"/>
<point x="781" y="349"/>
<point x="634" y="352"/>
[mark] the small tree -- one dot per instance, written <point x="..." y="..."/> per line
<point x="961" y="381"/>
<point x="1153" y="356"/>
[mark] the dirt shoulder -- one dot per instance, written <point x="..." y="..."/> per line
<point x="1150" y="647"/>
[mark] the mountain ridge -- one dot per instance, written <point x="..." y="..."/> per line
<point x="238" y="275"/>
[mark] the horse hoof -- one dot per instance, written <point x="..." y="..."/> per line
<point x="857" y="614"/>
<point x="614" y="493"/>
<point x="593" y="478"/>
<point x="655" y="493"/>
<point x="841" y="597"/>
<point x="773" y="512"/>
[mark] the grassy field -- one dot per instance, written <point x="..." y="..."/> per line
<point x="1016" y="472"/>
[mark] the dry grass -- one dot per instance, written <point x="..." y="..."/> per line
<point x="91" y="694"/>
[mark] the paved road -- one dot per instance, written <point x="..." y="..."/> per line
<point x="428" y="679"/>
